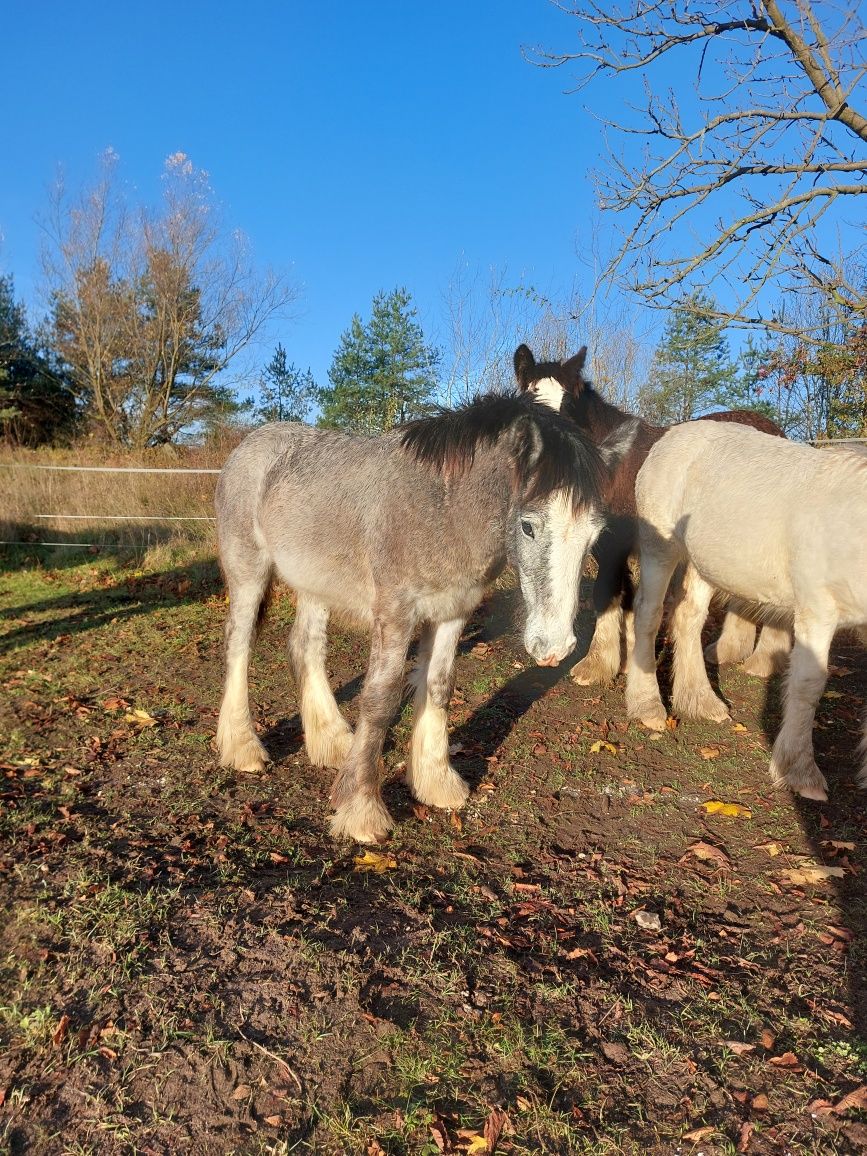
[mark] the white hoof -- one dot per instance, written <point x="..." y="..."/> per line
<point x="702" y="705"/>
<point x="245" y="753"/>
<point x="800" y="774"/>
<point x="328" y="746"/>
<point x="364" y="820"/>
<point x="594" y="668"/>
<point x="438" y="786"/>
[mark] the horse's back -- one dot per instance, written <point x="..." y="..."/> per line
<point x="760" y="517"/>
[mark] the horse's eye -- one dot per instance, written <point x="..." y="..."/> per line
<point x="527" y="527"/>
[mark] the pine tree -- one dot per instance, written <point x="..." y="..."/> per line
<point x="382" y="373"/>
<point x="285" y="393"/>
<point x="36" y="404"/>
<point x="692" y="371"/>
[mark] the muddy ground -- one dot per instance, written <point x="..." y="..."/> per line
<point x="188" y="963"/>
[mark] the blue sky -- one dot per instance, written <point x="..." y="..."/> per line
<point x="361" y="145"/>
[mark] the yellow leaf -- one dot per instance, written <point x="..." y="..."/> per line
<point x="709" y="752"/>
<point x="602" y="745"/>
<point x="471" y="1141"/>
<point x="140" y="718"/>
<point x="832" y="694"/>
<point x="715" y="807"/>
<point x="375" y="861"/>
<point x="739" y="729"/>
<point x="773" y="849"/>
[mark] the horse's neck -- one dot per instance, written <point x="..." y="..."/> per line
<point x="599" y="417"/>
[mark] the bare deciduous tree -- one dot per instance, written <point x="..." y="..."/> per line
<point x="752" y="157"/>
<point x="149" y="309"/>
<point x="487" y="318"/>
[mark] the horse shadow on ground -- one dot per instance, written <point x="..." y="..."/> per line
<point x="836" y="829"/>
<point x="123" y="597"/>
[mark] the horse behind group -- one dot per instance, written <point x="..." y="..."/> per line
<point x="562" y="386"/>
<point x="396" y="532"/>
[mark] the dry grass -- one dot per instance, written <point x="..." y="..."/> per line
<point x="31" y="493"/>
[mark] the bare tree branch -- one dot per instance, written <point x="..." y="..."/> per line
<point x="773" y="121"/>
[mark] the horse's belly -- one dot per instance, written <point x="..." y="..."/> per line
<point x="333" y="580"/>
<point x="750" y="566"/>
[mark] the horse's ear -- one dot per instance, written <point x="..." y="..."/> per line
<point x="618" y="443"/>
<point x="572" y="371"/>
<point x="526" y="446"/>
<point x="525" y="364"/>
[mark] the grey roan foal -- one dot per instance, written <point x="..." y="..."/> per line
<point x="397" y="532"/>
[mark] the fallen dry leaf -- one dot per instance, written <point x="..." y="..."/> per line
<point x="738" y="1048"/>
<point x="59" y="1033"/>
<point x="717" y="807"/>
<point x="709" y="752"/>
<point x="708" y="854"/>
<point x="773" y="849"/>
<point x="603" y="745"/>
<point x="471" y="1142"/>
<point x="855" y="1099"/>
<point x="786" y="1060"/>
<point x="496" y="1123"/>
<point x="140" y="718"/>
<point x="375" y="861"/>
<point x="768" y="1038"/>
<point x="745" y="1136"/>
<point x="760" y="1102"/>
<point x="699" y="1134"/>
<point x="242" y="1092"/>
<point x="739" y="729"/>
<point x="817" y="873"/>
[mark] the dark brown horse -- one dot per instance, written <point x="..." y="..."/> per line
<point x="562" y="385"/>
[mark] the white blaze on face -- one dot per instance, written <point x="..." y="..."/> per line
<point x="568" y="537"/>
<point x="549" y="391"/>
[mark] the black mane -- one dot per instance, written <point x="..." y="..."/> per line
<point x="549" y="453"/>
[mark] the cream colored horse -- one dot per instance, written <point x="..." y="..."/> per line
<point x="765" y="520"/>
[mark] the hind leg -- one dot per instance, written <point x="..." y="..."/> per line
<point x="359" y="812"/>
<point x="771" y="654"/>
<point x="735" y="643"/>
<point x="861" y="778"/>
<point x="430" y="776"/>
<point x="692" y="694"/>
<point x="604" y="658"/>
<point x="327" y="734"/>
<point x="643" y="700"/>
<point x="792" y="761"/>
<point x="237" y="743"/>
<point x="602" y="661"/>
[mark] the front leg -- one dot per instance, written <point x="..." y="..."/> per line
<point x="643" y="700"/>
<point x="691" y="694"/>
<point x="359" y="812"/>
<point x="430" y="776"/>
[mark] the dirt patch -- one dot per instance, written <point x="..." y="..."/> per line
<point x="584" y="960"/>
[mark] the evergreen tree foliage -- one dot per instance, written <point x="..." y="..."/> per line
<point x="383" y="373"/>
<point x="285" y="392"/>
<point x="692" y="371"/>
<point x="36" y="404"/>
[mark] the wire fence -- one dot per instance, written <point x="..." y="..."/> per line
<point x="29" y="515"/>
<point x="36" y="495"/>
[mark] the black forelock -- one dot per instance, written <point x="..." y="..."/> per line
<point x="448" y="441"/>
